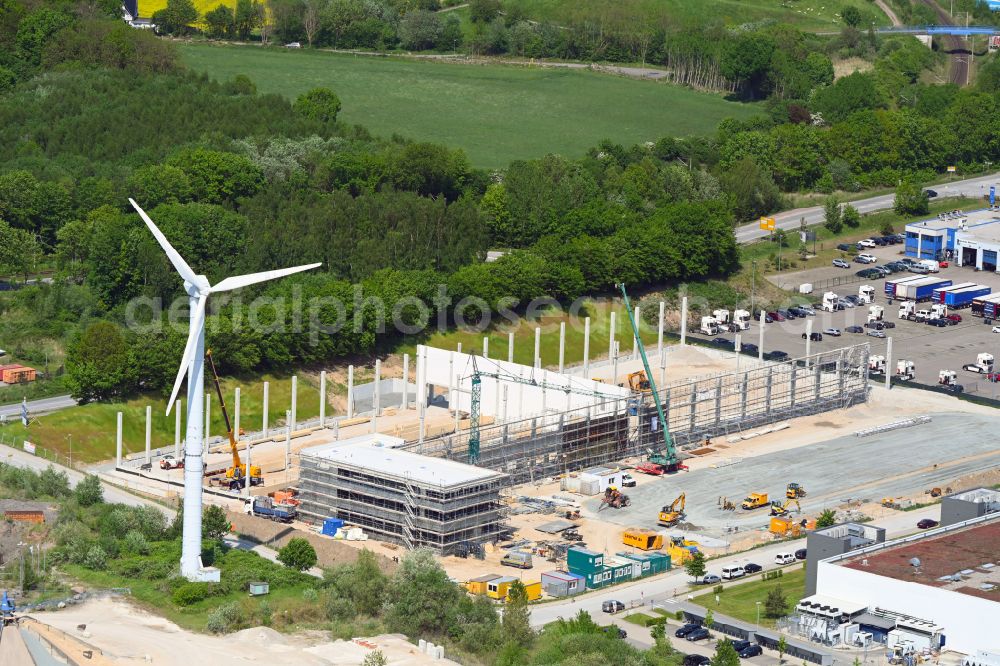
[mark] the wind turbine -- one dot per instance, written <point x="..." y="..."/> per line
<point x="193" y="366"/>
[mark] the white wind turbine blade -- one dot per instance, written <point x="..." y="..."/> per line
<point x="196" y="324"/>
<point x="175" y="258"/>
<point x="240" y="281"/>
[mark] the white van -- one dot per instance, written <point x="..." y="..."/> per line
<point x="784" y="558"/>
<point x="734" y="571"/>
<point x="931" y="265"/>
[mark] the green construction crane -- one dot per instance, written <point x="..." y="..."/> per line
<point x="669" y="462"/>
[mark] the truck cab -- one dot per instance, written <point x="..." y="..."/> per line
<point x="709" y="326"/>
<point x="742" y="319"/>
<point x="876" y="364"/>
<point x="875" y="313"/>
<point x="905" y="370"/>
<point x="907" y="309"/>
<point x="866" y="293"/>
<point x="939" y="311"/>
<point x="830" y="301"/>
<point x="983" y="364"/>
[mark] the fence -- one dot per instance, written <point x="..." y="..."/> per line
<point x="17" y="442"/>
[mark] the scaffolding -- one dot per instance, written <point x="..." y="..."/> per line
<point x="557" y="442"/>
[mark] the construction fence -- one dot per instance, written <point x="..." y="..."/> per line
<point x="762" y="392"/>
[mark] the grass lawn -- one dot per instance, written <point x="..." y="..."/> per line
<point x="805" y="14"/>
<point x="740" y="600"/>
<point x="496" y="113"/>
<point x="93" y="426"/>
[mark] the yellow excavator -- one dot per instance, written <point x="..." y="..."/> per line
<point x="671" y="515"/>
<point x="778" y="509"/>
<point x="638" y="382"/>
<point x="235" y="475"/>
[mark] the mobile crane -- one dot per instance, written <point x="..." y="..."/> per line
<point x="236" y="474"/>
<point x="667" y="458"/>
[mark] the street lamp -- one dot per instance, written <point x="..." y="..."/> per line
<point x="70" y="438"/>
<point x="758" y="615"/>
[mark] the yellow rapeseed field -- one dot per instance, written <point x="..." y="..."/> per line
<point x="147" y="7"/>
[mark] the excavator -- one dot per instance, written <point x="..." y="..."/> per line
<point x="778" y="509"/>
<point x="638" y="382"/>
<point x="670" y="515"/>
<point x="235" y="475"/>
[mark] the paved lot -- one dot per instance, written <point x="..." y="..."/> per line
<point x="864" y="471"/>
<point x="931" y="349"/>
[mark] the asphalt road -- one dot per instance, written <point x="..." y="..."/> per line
<point x="675" y="582"/>
<point x="35" y="407"/>
<point x="790" y="219"/>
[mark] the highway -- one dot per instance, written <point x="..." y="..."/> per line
<point x="675" y="582"/>
<point x="790" y="219"/>
<point x="36" y="407"/>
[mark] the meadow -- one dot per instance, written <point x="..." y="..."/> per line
<point x="496" y="113"/>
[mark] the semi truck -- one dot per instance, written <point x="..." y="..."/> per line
<point x="985" y="306"/>
<point x="866" y="293"/>
<point x="265" y="507"/>
<point x="892" y="285"/>
<point x="983" y="364"/>
<point x="920" y="290"/>
<point x="960" y="296"/>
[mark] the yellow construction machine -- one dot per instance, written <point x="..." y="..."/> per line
<point x="681" y="549"/>
<point x="642" y="539"/>
<point x="670" y="515"/>
<point x="795" y="491"/>
<point x="638" y="382"/>
<point x="755" y="501"/>
<point x="778" y="509"/>
<point x="786" y="526"/>
<point x="235" y="475"/>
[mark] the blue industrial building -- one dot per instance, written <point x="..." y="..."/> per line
<point x="967" y="239"/>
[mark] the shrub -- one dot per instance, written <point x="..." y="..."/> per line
<point x="191" y="593"/>
<point x="136" y="543"/>
<point x="225" y="618"/>
<point x="297" y="554"/>
<point x="309" y="594"/>
<point x="96" y="558"/>
<point x="89" y="492"/>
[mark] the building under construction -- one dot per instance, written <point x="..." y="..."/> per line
<point x="401" y="496"/>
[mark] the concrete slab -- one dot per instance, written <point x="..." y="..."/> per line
<point x="555" y="526"/>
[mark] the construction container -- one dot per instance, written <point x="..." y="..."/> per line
<point x="647" y="564"/>
<point x="642" y="539"/>
<point x="331" y="525"/>
<point x="598" y="479"/>
<point x="259" y="589"/>
<point x="517" y="559"/>
<point x="499" y="587"/>
<point x="478" y="585"/>
<point x="597" y="569"/>
<point x="16" y="374"/>
<point x="533" y="591"/>
<point x="562" y="583"/>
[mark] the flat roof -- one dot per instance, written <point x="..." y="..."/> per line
<point x="562" y="575"/>
<point x="944" y="221"/>
<point x="950" y="558"/>
<point x="391" y="462"/>
<point x="819" y="603"/>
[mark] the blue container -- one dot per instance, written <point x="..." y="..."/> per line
<point x="331" y="525"/>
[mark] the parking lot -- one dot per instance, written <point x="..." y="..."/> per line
<point x="931" y="349"/>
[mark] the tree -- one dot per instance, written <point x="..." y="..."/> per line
<point x="220" y="22"/>
<point x="851" y="93"/>
<point x="832" y="217"/>
<point x="99" y="365"/>
<point x="423" y="598"/>
<point x="910" y="199"/>
<point x="420" y="30"/>
<point x="484" y="11"/>
<point x="19" y="250"/>
<point x="776" y="605"/>
<point x="709" y="619"/>
<point x="320" y="104"/>
<point x="89" y="491"/>
<point x="725" y="654"/>
<point x="160" y="183"/>
<point x="214" y="523"/>
<point x="35" y="30"/>
<point x="297" y="554"/>
<point x="782" y="648"/>
<point x="695" y="566"/>
<point x="310" y="20"/>
<point x="826" y="519"/>
<point x="516" y="622"/>
<point x="747" y="58"/>
<point x="362" y="582"/>
<point x="245" y="18"/>
<point x="851" y="15"/>
<point x="176" y="17"/>
<point x="850" y="216"/>
<point x="886" y="228"/>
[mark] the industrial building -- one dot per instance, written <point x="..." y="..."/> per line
<point x="837" y="540"/>
<point x="936" y="588"/>
<point x="400" y="496"/>
<point x="969" y="239"/>
<point x="969" y="504"/>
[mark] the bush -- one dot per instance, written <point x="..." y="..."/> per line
<point x="136" y="543"/>
<point x="309" y="594"/>
<point x="297" y="554"/>
<point x="95" y="558"/>
<point x="225" y="618"/>
<point x="88" y="491"/>
<point x="191" y="593"/>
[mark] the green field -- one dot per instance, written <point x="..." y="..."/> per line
<point x="496" y="113"/>
<point x="805" y="14"/>
<point x="740" y="600"/>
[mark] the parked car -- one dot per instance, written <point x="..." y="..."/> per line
<point x="907" y="260"/>
<point x="995" y="329"/>
<point x="854" y="329"/>
<point x="746" y="649"/>
<point x="868" y="273"/>
<point x="749" y="348"/>
<point x="943" y="264"/>
<point x="682" y="632"/>
<point x="847" y="303"/>
<point x="840" y="263"/>
<point x="919" y="269"/>
<point x="888" y="324"/>
<point x="845" y="247"/>
<point x="940" y="323"/>
<point x="815" y="337"/>
<point x="784" y="558"/>
<point x="808" y="309"/>
<point x="930" y="193"/>
<point x="612" y="606"/>
<point x="776" y="355"/>
<point x="696" y="660"/>
<point x="711" y="579"/>
<point x="876" y="334"/>
<point x="722" y="342"/>
<point x="927" y="523"/>
<point x="866" y="258"/>
<point x="786" y="314"/>
<point x="879" y="241"/>
<point x="776" y="316"/>
<point x="293" y="45"/>
<point x="615" y="631"/>
<point x="891" y="240"/>
<point x="768" y="319"/>
<point x="701" y="633"/>
<point x="800" y="311"/>
<point x="868" y="242"/>
<point x="752" y="568"/>
<point x="835" y="332"/>
<point x="851" y="298"/>
<point x="882" y="270"/>
<point x="800" y="554"/>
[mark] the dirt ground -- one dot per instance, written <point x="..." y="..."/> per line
<point x="14" y="532"/>
<point x="128" y="635"/>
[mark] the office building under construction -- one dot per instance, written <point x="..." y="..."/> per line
<point x="400" y="496"/>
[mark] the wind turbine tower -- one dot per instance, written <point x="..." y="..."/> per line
<point x="193" y="367"/>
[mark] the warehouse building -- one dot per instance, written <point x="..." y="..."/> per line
<point x="968" y="239"/>
<point x="969" y="504"/>
<point x="933" y="589"/>
<point x="837" y="540"/>
<point x="401" y="496"/>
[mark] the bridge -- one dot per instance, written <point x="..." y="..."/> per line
<point x="956" y="30"/>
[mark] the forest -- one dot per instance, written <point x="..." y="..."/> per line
<point x="93" y="112"/>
